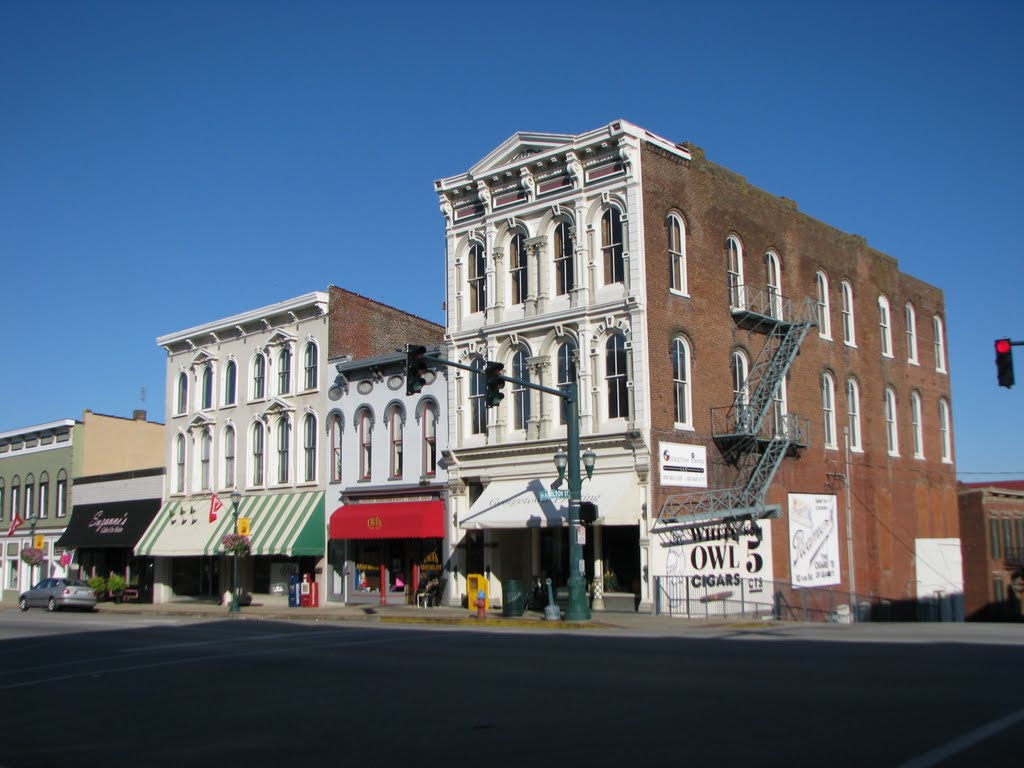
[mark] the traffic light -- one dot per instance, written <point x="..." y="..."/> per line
<point x="1004" y="362"/>
<point x="495" y="384"/>
<point x="415" y="367"/>
<point x="588" y="512"/>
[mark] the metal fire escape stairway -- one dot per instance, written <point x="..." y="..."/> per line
<point x="745" y="435"/>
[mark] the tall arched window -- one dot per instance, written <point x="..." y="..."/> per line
<point x="62" y="494"/>
<point x="229" y="480"/>
<point x="30" y="496"/>
<point x="611" y="245"/>
<point x="517" y="268"/>
<point x="940" y="344"/>
<point x="259" y="376"/>
<point x="740" y="382"/>
<point x="520" y="394"/>
<point x="885" y="326"/>
<point x="429" y="440"/>
<point x="3" y="498"/>
<point x="204" y="460"/>
<point x="824" y="308"/>
<point x="945" y="436"/>
<point x="565" y="246"/>
<point x="284" y="370"/>
<point x="284" y="452"/>
<point x="849" y="329"/>
<point x="365" y="445"/>
<point x="615" y="376"/>
<point x="207" y="391"/>
<point x="892" y="437"/>
<point x="681" y="382"/>
<point x="336" y="455"/>
<point x="911" y="319"/>
<point x="780" y="409"/>
<point x="477" y="391"/>
<point x="181" y="402"/>
<point x="773" y="271"/>
<point x="828" y="410"/>
<point x="179" y="464"/>
<point x="44" y="495"/>
<point x="677" y="253"/>
<point x="915" y="425"/>
<point x="230" y="382"/>
<point x="477" y="278"/>
<point x="566" y="371"/>
<point x="853" y="413"/>
<point x="15" y="496"/>
<point x="397" y="447"/>
<point x="309" y="448"/>
<point x="311" y="365"/>
<point x="258" y="454"/>
<point x="734" y="262"/>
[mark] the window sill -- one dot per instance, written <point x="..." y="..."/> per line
<point x="850" y="344"/>
<point x="683" y="427"/>
<point x="681" y="294"/>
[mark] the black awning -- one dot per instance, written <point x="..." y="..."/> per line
<point x="117" y="524"/>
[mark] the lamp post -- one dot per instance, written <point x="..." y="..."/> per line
<point x="233" y="608"/>
<point x="32" y="538"/>
<point x="577" y="610"/>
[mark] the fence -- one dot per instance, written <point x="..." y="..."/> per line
<point x="702" y="597"/>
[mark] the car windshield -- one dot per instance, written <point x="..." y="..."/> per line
<point x="75" y="583"/>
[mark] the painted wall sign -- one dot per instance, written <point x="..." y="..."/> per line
<point x="813" y="540"/>
<point x="683" y="465"/>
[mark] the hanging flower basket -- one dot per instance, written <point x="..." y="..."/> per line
<point x="32" y="556"/>
<point x="235" y="544"/>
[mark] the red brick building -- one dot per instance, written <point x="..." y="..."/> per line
<point x="361" y="327"/>
<point x="992" y="532"/>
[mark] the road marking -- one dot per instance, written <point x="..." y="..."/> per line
<point x="965" y="741"/>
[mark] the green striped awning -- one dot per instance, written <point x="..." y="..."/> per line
<point x="280" y="524"/>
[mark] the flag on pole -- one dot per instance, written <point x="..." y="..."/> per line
<point x="215" y="507"/>
<point x="65" y="558"/>
<point x="17" y="521"/>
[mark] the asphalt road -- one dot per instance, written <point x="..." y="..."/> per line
<point x="94" y="690"/>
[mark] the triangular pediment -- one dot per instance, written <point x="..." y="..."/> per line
<point x="199" y="421"/>
<point x="276" y="407"/>
<point x="202" y="358"/>
<point x="278" y="338"/>
<point x="519" y="147"/>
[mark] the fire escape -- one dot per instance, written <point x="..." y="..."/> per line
<point x="754" y="434"/>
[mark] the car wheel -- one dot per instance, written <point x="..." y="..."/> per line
<point x="52" y="605"/>
<point x="23" y="603"/>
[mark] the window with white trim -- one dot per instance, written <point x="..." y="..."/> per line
<point x="520" y="394"/>
<point x="681" y="383"/>
<point x="566" y="373"/>
<point x="230" y="382"/>
<point x="773" y="271"/>
<point x="945" y="436"/>
<point x="891" y="433"/>
<point x="849" y="329"/>
<point x="311" y="365"/>
<point x="911" y="319"/>
<point x="336" y="455"/>
<point x="565" y="247"/>
<point x="258" y="454"/>
<point x="284" y="370"/>
<point x="780" y="409"/>
<point x="940" y="344"/>
<point x="30" y="496"/>
<point x="677" y="253"/>
<point x="206" y="395"/>
<point x="611" y="245"/>
<point x="885" y="325"/>
<point x="365" y="445"/>
<point x="179" y="464"/>
<point x="477" y="391"/>
<point x="44" y="495"/>
<point x="228" y="480"/>
<point x="284" y="449"/>
<point x="181" y="402"/>
<point x="517" y="268"/>
<point x="62" y="494"/>
<point x="828" y="409"/>
<point x="395" y="428"/>
<point x="477" y="277"/>
<point x="429" y="440"/>
<point x="3" y="498"/>
<point x="259" y="376"/>
<point x="734" y="261"/>
<point x="616" y="378"/>
<point x="824" y="307"/>
<point x="309" y="448"/>
<point x="915" y="425"/>
<point x="204" y="460"/>
<point x="740" y="369"/>
<point x="853" y="414"/>
<point x="15" y="496"/>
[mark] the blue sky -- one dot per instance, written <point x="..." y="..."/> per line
<point x="167" y="164"/>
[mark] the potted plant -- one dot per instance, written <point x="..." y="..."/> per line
<point x="115" y="586"/>
<point x="32" y="556"/>
<point x="235" y="544"/>
<point x="98" y="584"/>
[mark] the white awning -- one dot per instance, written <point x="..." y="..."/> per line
<point x="533" y="503"/>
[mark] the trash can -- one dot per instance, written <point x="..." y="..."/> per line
<point x="513" y="600"/>
<point x="293" y="591"/>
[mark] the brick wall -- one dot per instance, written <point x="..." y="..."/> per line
<point x="362" y="327"/>
<point x="978" y="507"/>
<point x="895" y="499"/>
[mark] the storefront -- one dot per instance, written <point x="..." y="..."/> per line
<point x="386" y="551"/>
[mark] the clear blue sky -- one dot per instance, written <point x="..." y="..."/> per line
<point x="167" y="164"/>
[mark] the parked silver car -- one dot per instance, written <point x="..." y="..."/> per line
<point x="55" y="594"/>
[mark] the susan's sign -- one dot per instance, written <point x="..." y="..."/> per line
<point x="105" y="524"/>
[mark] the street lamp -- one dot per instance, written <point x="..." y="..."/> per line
<point x="577" y="610"/>
<point x="233" y="608"/>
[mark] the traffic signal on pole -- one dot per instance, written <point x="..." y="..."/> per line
<point x="495" y="384"/>
<point x="1004" y="362"/>
<point x="588" y="512"/>
<point x="415" y="368"/>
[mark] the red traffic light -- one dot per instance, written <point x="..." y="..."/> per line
<point x="1002" y="346"/>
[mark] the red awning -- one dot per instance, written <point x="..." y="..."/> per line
<point x="390" y="520"/>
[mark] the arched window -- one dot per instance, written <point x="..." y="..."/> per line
<point x="740" y="383"/>
<point x="517" y="268"/>
<point x="429" y="440"/>
<point x="228" y="480"/>
<point x="853" y="413"/>
<point x="911" y="319"/>
<point x="204" y="460"/>
<point x="892" y="437"/>
<point x="311" y="365"/>
<point x="230" y="382"/>
<point x="3" y="498"/>
<point x="179" y="464"/>
<point x="44" y="495"/>
<point x="259" y="376"/>
<point x="849" y="332"/>
<point x="773" y="271"/>
<point x="258" y="454"/>
<point x="940" y="344"/>
<point x="30" y="496"/>
<point x="615" y="376"/>
<point x="15" y="496"/>
<point x="284" y="371"/>
<point x="734" y="261"/>
<point x="336" y="455"/>
<point x="824" y="309"/>
<point x="477" y="278"/>
<point x="477" y="391"/>
<point x="207" y="396"/>
<point x="309" y="448"/>
<point x="780" y="409"/>
<point x="565" y="246"/>
<point x="181" y="402"/>
<point x="284" y="453"/>
<point x="365" y="445"/>
<point x="566" y="371"/>
<point x="520" y="394"/>
<point x="681" y="382"/>
<point x="945" y="437"/>
<point x="885" y="326"/>
<point x="915" y="425"/>
<point x="611" y="245"/>
<point x="397" y="449"/>
<point x="62" y="494"/>
<point x="677" y="253"/>
<point x="828" y="410"/>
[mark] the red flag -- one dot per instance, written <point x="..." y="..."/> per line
<point x="215" y="507"/>
<point x="14" y="524"/>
